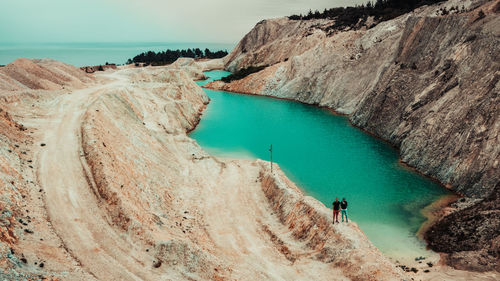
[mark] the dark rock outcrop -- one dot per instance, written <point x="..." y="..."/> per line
<point x="92" y="69"/>
<point x="470" y="236"/>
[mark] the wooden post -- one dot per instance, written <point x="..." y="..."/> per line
<point x="271" y="150"/>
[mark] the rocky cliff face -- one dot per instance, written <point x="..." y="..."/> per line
<point x="428" y="84"/>
<point x="269" y="37"/>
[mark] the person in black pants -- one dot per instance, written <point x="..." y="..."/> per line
<point x="343" y="209"/>
<point x="336" y="210"/>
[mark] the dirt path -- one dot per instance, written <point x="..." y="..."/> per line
<point x="70" y="203"/>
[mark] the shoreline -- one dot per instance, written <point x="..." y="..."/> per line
<point x="434" y="211"/>
<point x="198" y="120"/>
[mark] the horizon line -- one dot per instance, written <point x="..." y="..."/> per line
<point x="108" y="42"/>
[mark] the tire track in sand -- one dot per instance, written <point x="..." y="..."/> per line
<point x="70" y="203"/>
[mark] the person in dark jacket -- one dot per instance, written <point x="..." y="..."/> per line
<point x="343" y="209"/>
<point x="336" y="210"/>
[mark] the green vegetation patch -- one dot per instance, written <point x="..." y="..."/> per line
<point x="355" y="17"/>
<point x="169" y="56"/>
<point x="242" y="73"/>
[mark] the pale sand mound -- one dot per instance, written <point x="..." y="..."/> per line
<point x="43" y="74"/>
<point x="196" y="68"/>
<point x="120" y="192"/>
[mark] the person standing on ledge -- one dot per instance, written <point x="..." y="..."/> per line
<point x="336" y="210"/>
<point x="343" y="209"/>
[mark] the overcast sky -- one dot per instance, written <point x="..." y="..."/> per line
<point x="220" y="21"/>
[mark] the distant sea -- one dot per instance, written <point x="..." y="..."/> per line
<point x="83" y="54"/>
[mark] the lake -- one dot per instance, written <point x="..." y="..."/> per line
<point x="327" y="158"/>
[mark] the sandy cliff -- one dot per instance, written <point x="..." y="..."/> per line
<point x="428" y="84"/>
<point x="100" y="181"/>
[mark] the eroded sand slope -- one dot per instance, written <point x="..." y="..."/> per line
<point x="100" y="181"/>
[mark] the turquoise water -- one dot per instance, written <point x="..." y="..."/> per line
<point x="83" y="54"/>
<point x="327" y="158"/>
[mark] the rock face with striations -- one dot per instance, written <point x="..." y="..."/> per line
<point x="428" y="84"/>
